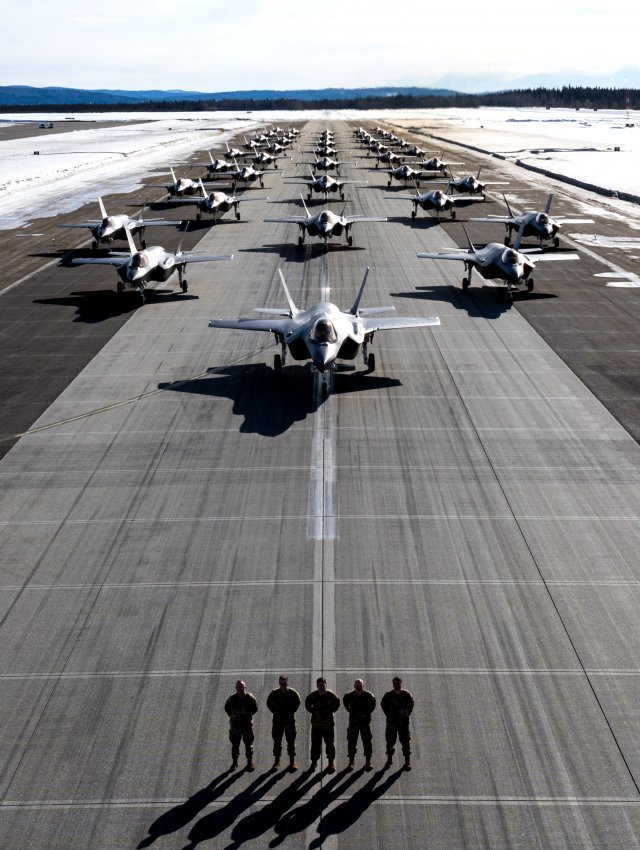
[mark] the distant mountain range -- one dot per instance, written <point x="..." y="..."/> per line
<point x="52" y="96"/>
<point x="624" y="78"/>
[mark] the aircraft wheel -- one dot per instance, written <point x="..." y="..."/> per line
<point x="350" y="241"/>
<point x="556" y="242"/>
<point x="389" y="184"/>
<point x="119" y="287"/>
<point x="324" y="391"/>
<point x="414" y="214"/>
<point x="184" y="286"/>
<point x="453" y="215"/>
<point x="342" y="196"/>
<point x="309" y="196"/>
<point x="326" y="247"/>
<point x="465" y="283"/>
<point x="507" y="241"/>
<point x="237" y="215"/>
<point x="301" y="241"/>
<point x="371" y="362"/>
<point x="277" y="364"/>
<point x="198" y="216"/>
<point x="530" y="285"/>
<point x="94" y="244"/>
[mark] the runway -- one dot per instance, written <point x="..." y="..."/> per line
<point x="466" y="516"/>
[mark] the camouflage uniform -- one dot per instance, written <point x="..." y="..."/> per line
<point x="322" y="707"/>
<point x="283" y="705"/>
<point x="397" y="708"/>
<point x="241" y="711"/>
<point x="360" y="707"/>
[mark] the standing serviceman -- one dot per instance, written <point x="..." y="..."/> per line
<point x="397" y="706"/>
<point x="241" y="707"/>
<point x="360" y="705"/>
<point x="283" y="702"/>
<point x="322" y="704"/>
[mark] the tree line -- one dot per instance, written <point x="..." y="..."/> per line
<point x="567" y="97"/>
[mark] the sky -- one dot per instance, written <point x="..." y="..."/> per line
<point x="225" y="45"/>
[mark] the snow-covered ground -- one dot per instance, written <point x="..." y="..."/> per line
<point x="74" y="167"/>
<point x="595" y="147"/>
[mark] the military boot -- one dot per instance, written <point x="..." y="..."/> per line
<point x="313" y="765"/>
<point x="388" y="762"/>
<point x="367" y="764"/>
<point x="332" y="767"/>
<point x="407" y="762"/>
<point x="292" y="764"/>
<point x="250" y="765"/>
<point x="234" y="764"/>
<point x="276" y="763"/>
<point x="351" y="764"/>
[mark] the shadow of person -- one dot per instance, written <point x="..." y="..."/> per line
<point x="179" y="816"/>
<point x="345" y="814"/>
<point x="301" y="818"/>
<point x="257" y="823"/>
<point x="215" y="823"/>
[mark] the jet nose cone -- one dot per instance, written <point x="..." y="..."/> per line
<point x="324" y="354"/>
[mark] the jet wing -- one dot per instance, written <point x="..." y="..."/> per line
<point x="90" y="223"/>
<point x="352" y="218"/>
<point x="561" y="220"/>
<point x="549" y="258"/>
<point x="198" y="257"/>
<point x="397" y="322"/>
<point x="290" y="219"/>
<point x="503" y="218"/>
<point x="276" y="326"/>
<point x="100" y="261"/>
<point x="445" y="255"/>
<point x="157" y="222"/>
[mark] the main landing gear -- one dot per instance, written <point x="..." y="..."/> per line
<point x="369" y="358"/>
<point x="280" y="359"/>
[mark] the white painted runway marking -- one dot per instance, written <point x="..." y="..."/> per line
<point x="423" y="800"/>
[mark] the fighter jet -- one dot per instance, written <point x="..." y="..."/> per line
<point x="136" y="268"/>
<point x="495" y="262"/>
<point x="472" y="185"/>
<point x="232" y="153"/>
<point x="218" y="203"/>
<point x="437" y="164"/>
<point x="436" y="199"/>
<point x="110" y="227"/>
<point x="389" y="158"/>
<point x="215" y="167"/>
<point x="540" y="225"/>
<point x="264" y="158"/>
<point x="326" y="184"/>
<point x="327" y="164"/>
<point x="406" y="172"/>
<point x="324" y="333"/>
<point x="181" y="186"/>
<point x="246" y="174"/>
<point x="325" y="224"/>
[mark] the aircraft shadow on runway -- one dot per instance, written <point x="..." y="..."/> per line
<point x="479" y="301"/>
<point x="92" y="307"/>
<point x="100" y="305"/>
<point x="271" y="404"/>
<point x="299" y="254"/>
